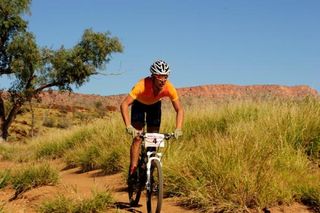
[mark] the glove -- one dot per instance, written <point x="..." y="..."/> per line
<point x="131" y="131"/>
<point x="177" y="133"/>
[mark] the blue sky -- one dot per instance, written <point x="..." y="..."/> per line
<point x="243" y="42"/>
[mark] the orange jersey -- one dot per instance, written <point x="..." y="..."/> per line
<point x="143" y="92"/>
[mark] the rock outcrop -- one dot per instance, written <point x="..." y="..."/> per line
<point x="220" y="92"/>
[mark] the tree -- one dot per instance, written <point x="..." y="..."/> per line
<point x="33" y="69"/>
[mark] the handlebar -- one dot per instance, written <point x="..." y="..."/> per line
<point x="167" y="136"/>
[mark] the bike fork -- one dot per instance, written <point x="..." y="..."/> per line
<point x="150" y="159"/>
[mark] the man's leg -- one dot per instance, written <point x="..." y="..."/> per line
<point x="135" y="150"/>
<point x="138" y="122"/>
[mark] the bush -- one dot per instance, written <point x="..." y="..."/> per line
<point x="33" y="176"/>
<point x="110" y="163"/>
<point x="246" y="155"/>
<point x="99" y="202"/>
<point x="63" y="123"/>
<point x="48" y="122"/>
<point x="5" y="177"/>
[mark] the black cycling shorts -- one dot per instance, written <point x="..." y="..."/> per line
<point x="142" y="114"/>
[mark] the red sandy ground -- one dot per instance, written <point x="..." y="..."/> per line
<point x="77" y="184"/>
<point x="80" y="185"/>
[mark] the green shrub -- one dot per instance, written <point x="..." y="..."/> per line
<point x="48" y="122"/>
<point x="33" y="176"/>
<point x="311" y="197"/>
<point x="111" y="162"/>
<point x="99" y="202"/>
<point x="59" y="205"/>
<point x="5" y="176"/>
<point x="63" y="123"/>
<point x="87" y="158"/>
<point x="233" y="156"/>
<point x="60" y="142"/>
<point x="245" y="155"/>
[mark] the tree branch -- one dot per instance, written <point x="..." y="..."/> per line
<point x="5" y="71"/>
<point x="47" y="86"/>
<point x="107" y="74"/>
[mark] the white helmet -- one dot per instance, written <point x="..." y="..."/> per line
<point x="160" y="68"/>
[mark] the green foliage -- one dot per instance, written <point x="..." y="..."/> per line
<point x="48" y="122"/>
<point x="33" y="69"/>
<point x="99" y="110"/>
<point x="5" y="177"/>
<point x="10" y="19"/>
<point x="26" y="59"/>
<point x="245" y="155"/>
<point x="33" y="176"/>
<point x="57" y="146"/>
<point x="76" y="65"/>
<point x="59" y="205"/>
<point x="63" y="123"/>
<point x="311" y="197"/>
<point x="99" y="202"/>
<point x="110" y="162"/>
<point x="232" y="157"/>
<point x="87" y="158"/>
<point x="98" y="105"/>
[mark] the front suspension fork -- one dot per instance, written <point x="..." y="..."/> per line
<point x="149" y="163"/>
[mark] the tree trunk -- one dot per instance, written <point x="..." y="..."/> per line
<point x="2" y="115"/>
<point x="7" y="122"/>
<point x="32" y="119"/>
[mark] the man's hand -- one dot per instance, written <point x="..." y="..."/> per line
<point x="178" y="133"/>
<point x="131" y="131"/>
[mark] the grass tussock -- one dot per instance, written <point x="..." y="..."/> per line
<point x="246" y="155"/>
<point x="5" y="176"/>
<point x="99" y="202"/>
<point x="233" y="156"/>
<point x="32" y="176"/>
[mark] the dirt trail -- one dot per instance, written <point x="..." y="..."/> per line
<point x="85" y="182"/>
<point x="80" y="185"/>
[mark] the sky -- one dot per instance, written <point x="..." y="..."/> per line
<point x="241" y="42"/>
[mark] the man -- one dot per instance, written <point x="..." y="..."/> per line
<point x="145" y="101"/>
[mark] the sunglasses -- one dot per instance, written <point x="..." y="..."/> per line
<point x="160" y="77"/>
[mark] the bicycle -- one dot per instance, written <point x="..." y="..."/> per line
<point x="149" y="171"/>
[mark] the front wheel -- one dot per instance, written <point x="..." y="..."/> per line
<point x="134" y="188"/>
<point x="155" y="191"/>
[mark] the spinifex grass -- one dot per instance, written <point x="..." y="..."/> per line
<point x="4" y="178"/>
<point x="233" y="156"/>
<point x="99" y="202"/>
<point x="108" y="150"/>
<point x="33" y="176"/>
<point x="245" y="155"/>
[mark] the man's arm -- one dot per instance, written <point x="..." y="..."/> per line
<point x="124" y="108"/>
<point x="180" y="113"/>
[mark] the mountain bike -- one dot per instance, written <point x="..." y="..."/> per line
<point x="149" y="172"/>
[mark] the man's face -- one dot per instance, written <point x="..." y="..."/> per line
<point x="160" y="80"/>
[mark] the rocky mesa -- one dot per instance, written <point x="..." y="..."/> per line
<point x="222" y="91"/>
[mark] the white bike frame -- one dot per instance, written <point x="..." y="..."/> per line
<point x="153" y="140"/>
<point x="150" y="159"/>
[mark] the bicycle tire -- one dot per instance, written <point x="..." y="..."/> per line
<point x="134" y="191"/>
<point x="156" y="188"/>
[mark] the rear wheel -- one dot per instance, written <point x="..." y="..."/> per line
<point x="155" y="191"/>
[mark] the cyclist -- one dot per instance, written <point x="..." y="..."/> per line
<point x="145" y="101"/>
